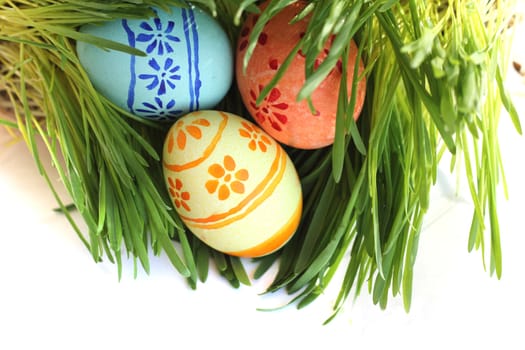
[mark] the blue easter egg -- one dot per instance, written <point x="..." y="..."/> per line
<point x="188" y="64"/>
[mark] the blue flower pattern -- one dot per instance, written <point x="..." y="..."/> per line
<point x="162" y="76"/>
<point x="157" y="37"/>
<point x="158" y="40"/>
<point x="160" y="110"/>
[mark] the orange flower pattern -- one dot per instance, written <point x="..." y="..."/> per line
<point x="180" y="198"/>
<point x="226" y="178"/>
<point x="256" y="137"/>
<point x="182" y="131"/>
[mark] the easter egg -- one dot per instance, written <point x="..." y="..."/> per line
<point x="232" y="185"/>
<point x="188" y="64"/>
<point x="289" y="121"/>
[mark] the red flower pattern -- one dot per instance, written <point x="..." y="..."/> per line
<point x="270" y="109"/>
<point x="322" y="56"/>
<point x="245" y="33"/>
<point x="273" y="63"/>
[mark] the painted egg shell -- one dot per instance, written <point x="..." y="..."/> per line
<point x="233" y="186"/>
<point x="280" y="114"/>
<point x="188" y="63"/>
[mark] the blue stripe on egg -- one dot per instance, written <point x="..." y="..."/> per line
<point x="132" y="82"/>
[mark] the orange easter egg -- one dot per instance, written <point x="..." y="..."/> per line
<point x="233" y="185"/>
<point x="280" y="114"/>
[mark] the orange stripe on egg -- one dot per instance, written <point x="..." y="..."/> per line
<point x="276" y="241"/>
<point x="248" y="204"/>
<point x="207" y="152"/>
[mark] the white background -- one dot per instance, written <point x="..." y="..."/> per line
<point x="54" y="296"/>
